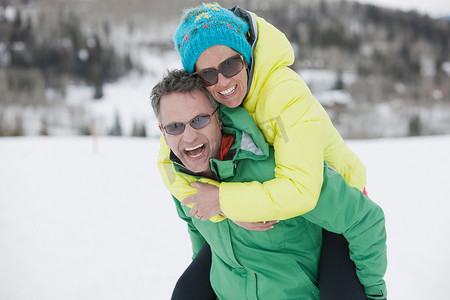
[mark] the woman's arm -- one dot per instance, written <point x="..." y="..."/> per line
<point x="179" y="184"/>
<point x="294" y="191"/>
<point x="292" y="124"/>
<point x="294" y="128"/>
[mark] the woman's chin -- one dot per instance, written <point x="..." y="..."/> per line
<point x="231" y="102"/>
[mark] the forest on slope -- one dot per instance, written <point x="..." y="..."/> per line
<point x="377" y="71"/>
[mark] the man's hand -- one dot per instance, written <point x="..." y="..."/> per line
<point x="257" y="226"/>
<point x="206" y="201"/>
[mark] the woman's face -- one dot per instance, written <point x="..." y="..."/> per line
<point x="228" y="91"/>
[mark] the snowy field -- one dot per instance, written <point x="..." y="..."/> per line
<point x="83" y="220"/>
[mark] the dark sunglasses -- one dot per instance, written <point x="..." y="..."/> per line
<point x="228" y="68"/>
<point x="196" y="123"/>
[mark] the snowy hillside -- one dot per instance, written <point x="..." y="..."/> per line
<point x="83" y="219"/>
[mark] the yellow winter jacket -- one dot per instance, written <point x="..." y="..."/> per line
<point x="299" y="129"/>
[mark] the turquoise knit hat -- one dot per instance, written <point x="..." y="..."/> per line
<point x="208" y="25"/>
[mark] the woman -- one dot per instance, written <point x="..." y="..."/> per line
<point x="243" y="60"/>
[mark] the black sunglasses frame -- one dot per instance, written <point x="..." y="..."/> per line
<point x="183" y="125"/>
<point x="220" y="70"/>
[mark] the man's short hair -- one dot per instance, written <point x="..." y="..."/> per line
<point x="178" y="81"/>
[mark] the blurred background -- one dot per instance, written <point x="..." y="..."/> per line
<point x="89" y="218"/>
<point x="87" y="67"/>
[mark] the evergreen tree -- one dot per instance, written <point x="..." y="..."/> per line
<point x="18" y="129"/>
<point x="139" y="129"/>
<point x="339" y="84"/>
<point x="116" y="129"/>
<point x="44" y="127"/>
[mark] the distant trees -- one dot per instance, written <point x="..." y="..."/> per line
<point x="116" y="129"/>
<point x="396" y="59"/>
<point x="11" y="125"/>
<point x="42" y="52"/>
<point x="139" y="129"/>
<point x="400" y="59"/>
<point x="398" y="46"/>
<point x="65" y="50"/>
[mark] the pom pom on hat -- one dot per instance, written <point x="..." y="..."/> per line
<point x="209" y="25"/>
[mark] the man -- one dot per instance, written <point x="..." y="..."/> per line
<point x="281" y="263"/>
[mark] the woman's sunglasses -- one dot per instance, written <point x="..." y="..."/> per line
<point x="228" y="68"/>
<point x="196" y="123"/>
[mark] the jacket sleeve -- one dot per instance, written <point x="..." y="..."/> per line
<point x="299" y="129"/>
<point x="340" y="156"/>
<point x="293" y="127"/>
<point x="345" y="210"/>
<point x="177" y="183"/>
<point x="197" y="239"/>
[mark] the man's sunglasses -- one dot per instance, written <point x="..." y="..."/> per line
<point x="228" y="68"/>
<point x="196" y="123"/>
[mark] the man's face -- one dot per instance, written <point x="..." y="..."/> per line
<point x="194" y="147"/>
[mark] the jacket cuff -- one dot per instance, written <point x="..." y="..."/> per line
<point x="377" y="292"/>
<point x="217" y="218"/>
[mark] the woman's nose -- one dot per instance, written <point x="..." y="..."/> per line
<point x="222" y="80"/>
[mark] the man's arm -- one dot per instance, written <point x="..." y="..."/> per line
<point x="345" y="210"/>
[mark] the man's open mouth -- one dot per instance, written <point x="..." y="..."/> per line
<point x="196" y="151"/>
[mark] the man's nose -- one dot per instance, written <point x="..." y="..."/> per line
<point x="189" y="134"/>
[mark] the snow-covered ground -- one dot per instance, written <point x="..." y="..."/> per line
<point x="83" y="219"/>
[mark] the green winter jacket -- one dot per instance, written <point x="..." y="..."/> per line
<point x="282" y="263"/>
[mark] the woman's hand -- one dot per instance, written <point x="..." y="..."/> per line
<point x="206" y="201"/>
<point x="206" y="204"/>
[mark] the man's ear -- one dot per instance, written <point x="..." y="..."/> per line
<point x="162" y="130"/>
<point x="218" y="118"/>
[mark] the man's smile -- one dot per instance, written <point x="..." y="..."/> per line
<point x="196" y="151"/>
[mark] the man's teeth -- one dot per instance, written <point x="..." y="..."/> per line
<point x="194" y="151"/>
<point x="193" y="148"/>
<point x="229" y="91"/>
<point x="194" y="156"/>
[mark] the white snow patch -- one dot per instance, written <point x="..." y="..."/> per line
<point x="85" y="219"/>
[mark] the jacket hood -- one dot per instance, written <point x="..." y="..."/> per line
<point x="270" y="51"/>
<point x="249" y="140"/>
